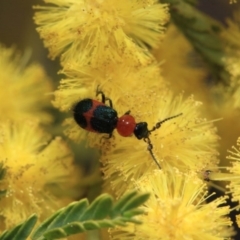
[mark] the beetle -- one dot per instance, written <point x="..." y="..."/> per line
<point x="95" y="116"/>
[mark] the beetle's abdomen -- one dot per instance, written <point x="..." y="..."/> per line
<point x="95" y="116"/>
<point x="78" y="112"/>
<point x="104" y="119"/>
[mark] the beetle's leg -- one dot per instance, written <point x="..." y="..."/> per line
<point x="99" y="92"/>
<point x="106" y="137"/>
<point x="109" y="136"/>
<point x="104" y="98"/>
<point x="150" y="147"/>
<point x="110" y="102"/>
<point x="158" y="124"/>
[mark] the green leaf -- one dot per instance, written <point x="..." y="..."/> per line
<point x="61" y="217"/>
<point x="98" y="209"/>
<point x="131" y="220"/>
<point x="21" y="231"/>
<point x="74" y="228"/>
<point x="55" y="234"/>
<point x="122" y="202"/>
<point x="91" y="225"/>
<point x="119" y="222"/>
<point x="132" y="213"/>
<point x="81" y="216"/>
<point x="106" y="223"/>
<point x="136" y="201"/>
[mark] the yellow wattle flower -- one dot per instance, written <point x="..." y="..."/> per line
<point x="87" y="30"/>
<point x="102" y="44"/>
<point x="32" y="163"/>
<point x="177" y="210"/>
<point x="232" y="32"/>
<point x="114" y="79"/>
<point x="231" y="36"/>
<point x="233" y="66"/>
<point x="179" y="64"/>
<point x="23" y="89"/>
<point x="238" y="220"/>
<point x="187" y="142"/>
<point x="234" y="185"/>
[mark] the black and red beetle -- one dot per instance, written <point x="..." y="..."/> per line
<point x="96" y="116"/>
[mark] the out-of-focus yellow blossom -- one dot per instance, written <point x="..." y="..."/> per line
<point x="88" y="30"/>
<point x="23" y="89"/>
<point x="233" y="66"/>
<point x="232" y="32"/>
<point x="180" y="67"/>
<point x="235" y="170"/>
<point x="230" y="97"/>
<point x="32" y="162"/>
<point x="238" y="220"/>
<point x="177" y="210"/>
<point x="80" y="236"/>
<point x="228" y="128"/>
<point x="231" y="37"/>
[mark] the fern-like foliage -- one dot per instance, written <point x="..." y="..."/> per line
<point x="80" y="217"/>
<point x="20" y="232"/>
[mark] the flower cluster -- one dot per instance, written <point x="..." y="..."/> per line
<point x="107" y="45"/>
<point x="178" y="210"/>
<point x="85" y="32"/>
<point x="30" y="160"/>
<point x="27" y="92"/>
<point x="235" y="170"/>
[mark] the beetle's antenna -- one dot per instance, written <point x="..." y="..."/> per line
<point x="158" y="124"/>
<point x="150" y="147"/>
<point x="148" y="141"/>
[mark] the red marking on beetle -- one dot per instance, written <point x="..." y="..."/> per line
<point x="88" y="115"/>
